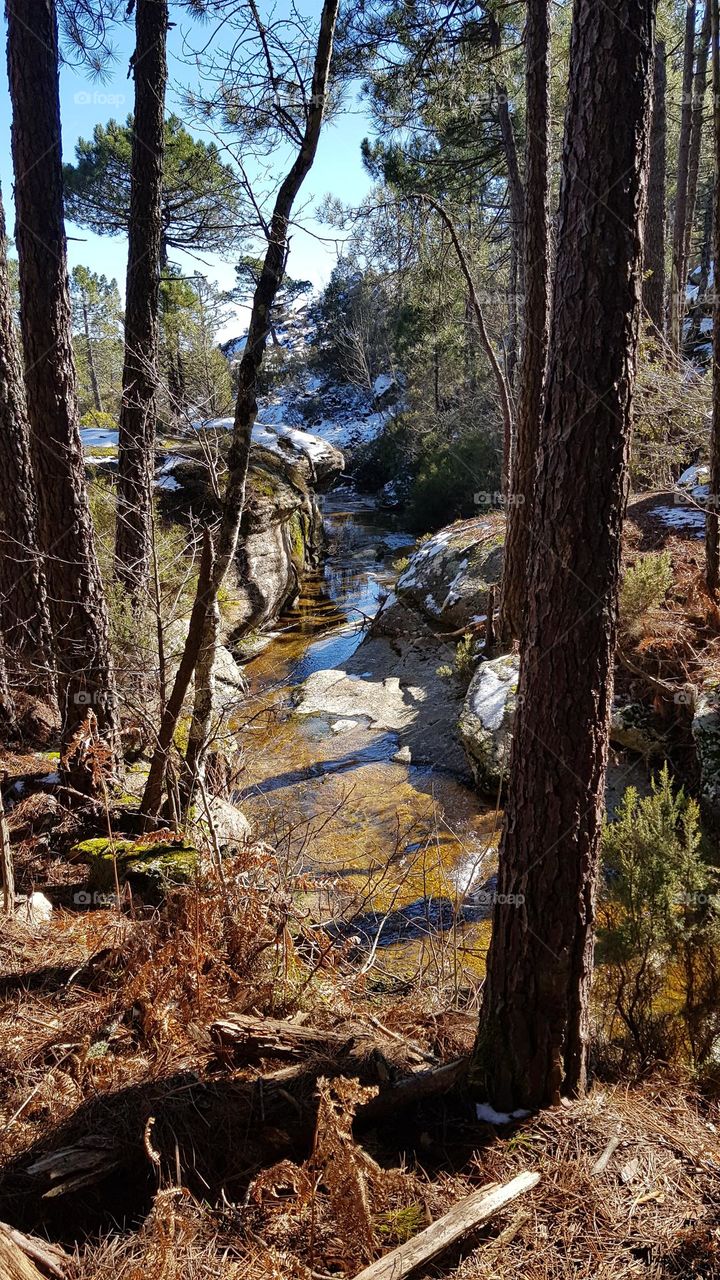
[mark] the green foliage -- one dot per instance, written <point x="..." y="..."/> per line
<point x="201" y="197"/>
<point x="659" y="927"/>
<point x="643" y="589"/>
<point x="100" y="420"/>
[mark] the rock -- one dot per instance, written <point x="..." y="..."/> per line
<point x="35" y="910"/>
<point x="231" y="826"/>
<point x="706" y="736"/>
<point x="382" y="703"/>
<point x="152" y="867"/>
<point x="634" y="726"/>
<point x="486" y="720"/>
<point x="344" y="726"/>
<point x="403" y="755"/>
<point x="449" y="576"/>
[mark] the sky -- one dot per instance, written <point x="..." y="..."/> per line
<point x="338" y="167"/>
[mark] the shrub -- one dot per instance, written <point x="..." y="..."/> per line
<point x="643" y="588"/>
<point x="101" y="421"/>
<point x="659" y="928"/>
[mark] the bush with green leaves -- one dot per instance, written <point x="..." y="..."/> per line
<point x="644" y="586"/>
<point x="658" y="940"/>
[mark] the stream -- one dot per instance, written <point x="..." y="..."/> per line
<point x="400" y="850"/>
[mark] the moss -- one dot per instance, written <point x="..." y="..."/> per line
<point x="298" y="538"/>
<point x="150" y="866"/>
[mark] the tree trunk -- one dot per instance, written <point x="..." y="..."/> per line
<point x="94" y="384"/>
<point x="712" y="532"/>
<point x="698" y="111"/>
<point x="266" y="290"/>
<point x="78" y="615"/>
<point x="654" y="237"/>
<point x="517" y="224"/>
<point x="23" y="602"/>
<point x="677" y="286"/>
<point x="520" y="496"/>
<point x="7" y="705"/>
<point x="532" y="1038"/>
<point x="140" y="371"/>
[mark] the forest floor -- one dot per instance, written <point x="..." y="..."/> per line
<point x="144" y="1143"/>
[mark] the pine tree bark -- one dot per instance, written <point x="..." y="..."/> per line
<point x="140" y="371"/>
<point x="532" y="1037"/>
<point x="23" y="602"/>
<point x="698" y="111"/>
<point x="78" y="614"/>
<point x="677" y="283"/>
<point x="712" y="530"/>
<point x="520" y="497"/>
<point x="654" y="238"/>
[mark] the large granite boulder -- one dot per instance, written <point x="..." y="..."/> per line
<point x="449" y="576"/>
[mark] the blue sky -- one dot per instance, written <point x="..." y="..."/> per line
<point x="83" y="104"/>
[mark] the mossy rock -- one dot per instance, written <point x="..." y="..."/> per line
<point x="153" y="867"/>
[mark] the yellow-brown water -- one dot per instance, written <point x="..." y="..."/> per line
<point x="392" y="842"/>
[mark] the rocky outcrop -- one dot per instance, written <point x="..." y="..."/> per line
<point x="447" y="581"/>
<point x="281" y="536"/>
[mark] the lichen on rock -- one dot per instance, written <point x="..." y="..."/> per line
<point x="151" y="866"/>
<point x="486" y="720"/>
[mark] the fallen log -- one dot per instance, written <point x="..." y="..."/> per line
<point x="277" y="1038"/>
<point x="459" y="1221"/>
<point x="19" y="1254"/>
<point x="410" y="1090"/>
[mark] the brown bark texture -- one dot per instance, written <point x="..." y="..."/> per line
<point x="521" y="492"/>
<point x="23" y="604"/>
<point x="532" y="1037"/>
<point x="136" y="444"/>
<point x="677" y="285"/>
<point x="78" y="614"/>
<point x="654" y="238"/>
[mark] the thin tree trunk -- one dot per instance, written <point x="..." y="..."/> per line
<point x="23" y="601"/>
<point x="246" y="405"/>
<point x="78" y="614"/>
<point x="654" y="238"/>
<point x="532" y="1038"/>
<point x="140" y="372"/>
<point x="517" y="220"/>
<point x="677" y="286"/>
<point x="520" y="496"/>
<point x="712" y="531"/>
<point x="698" y="111"/>
<point x="94" y="384"/>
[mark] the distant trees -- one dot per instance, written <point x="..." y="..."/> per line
<point x="76" y="601"/>
<point x="97" y="326"/>
<point x="533" y="1033"/>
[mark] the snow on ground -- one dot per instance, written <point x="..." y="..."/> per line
<point x="691" y="519"/>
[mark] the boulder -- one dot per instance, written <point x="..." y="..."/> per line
<point x="449" y="576"/>
<point x="486" y="720"/>
<point x="635" y="727"/>
<point x="706" y="736"/>
<point x="152" y="867"/>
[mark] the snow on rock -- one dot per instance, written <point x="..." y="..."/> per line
<point x="486" y="720"/>
<point x="690" y="519"/>
<point x="383" y="703"/>
<point x="322" y="459"/>
<point x="449" y="576"/>
<point x="35" y="910"/>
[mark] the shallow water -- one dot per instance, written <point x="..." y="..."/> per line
<point x="398" y="844"/>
